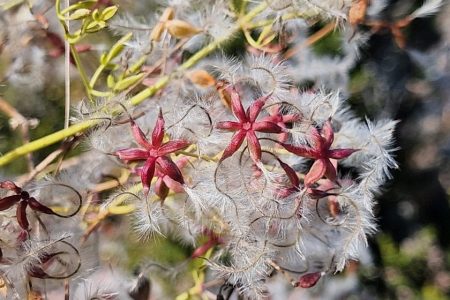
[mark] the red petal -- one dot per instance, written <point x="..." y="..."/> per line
<point x="182" y="162"/>
<point x="300" y="151"/>
<point x="236" y="106"/>
<point x="9" y="185"/>
<point x="317" y="139"/>
<point x="172" y="146"/>
<point x="21" y="215"/>
<point x="132" y="154"/>
<point x="200" y="251"/>
<point x="255" y="108"/>
<point x="291" y="174"/>
<point x="254" y="146"/>
<point x="139" y="136"/>
<point x="35" y="205"/>
<point x="328" y="135"/>
<point x="169" y="168"/>
<point x="147" y="172"/>
<point x="173" y="185"/>
<point x="158" y="131"/>
<point x="37" y="272"/>
<point x="161" y="189"/>
<point x="236" y="142"/>
<point x="309" y="280"/>
<point x="267" y="127"/>
<point x="9" y="201"/>
<point x="317" y="194"/>
<point x="330" y="171"/>
<point x="228" y="125"/>
<point x="290" y="118"/>
<point x="316" y="172"/>
<point x="340" y="153"/>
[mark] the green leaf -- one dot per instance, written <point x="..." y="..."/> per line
<point x="96" y="15"/>
<point x="127" y="82"/>
<point x="109" y="12"/>
<point x="118" y="47"/>
<point x="79" y="14"/>
<point x="81" y="4"/>
<point x="110" y="81"/>
<point x="103" y="59"/>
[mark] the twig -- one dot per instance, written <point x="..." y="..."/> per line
<point x="47" y="161"/>
<point x="18" y="121"/>
<point x="323" y="32"/>
<point x="67" y="74"/>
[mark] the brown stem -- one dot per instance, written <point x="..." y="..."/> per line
<point x="324" y="31"/>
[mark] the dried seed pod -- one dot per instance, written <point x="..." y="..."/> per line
<point x="201" y="78"/>
<point x="167" y="15"/>
<point x="224" y="95"/>
<point x="156" y="33"/>
<point x="357" y="12"/>
<point x="181" y="29"/>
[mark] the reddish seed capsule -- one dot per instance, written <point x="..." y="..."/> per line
<point x="309" y="280"/>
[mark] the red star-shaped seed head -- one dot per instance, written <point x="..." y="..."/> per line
<point x="246" y="126"/>
<point x="155" y="153"/>
<point x="320" y="151"/>
<point x="23" y="200"/>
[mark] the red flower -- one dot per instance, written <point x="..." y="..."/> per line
<point x="23" y="200"/>
<point x="321" y="152"/>
<point x="276" y="116"/>
<point x="155" y="154"/>
<point x="247" y="126"/>
<point x="164" y="183"/>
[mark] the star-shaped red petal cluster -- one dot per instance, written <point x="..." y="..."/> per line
<point x="247" y="126"/>
<point x="154" y="153"/>
<point x="320" y="151"/>
<point x="23" y="200"/>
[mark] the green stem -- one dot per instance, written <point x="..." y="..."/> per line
<point x="80" y="68"/>
<point x="74" y="52"/>
<point x="96" y="76"/>
<point x="135" y="100"/>
<point x="46" y="141"/>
